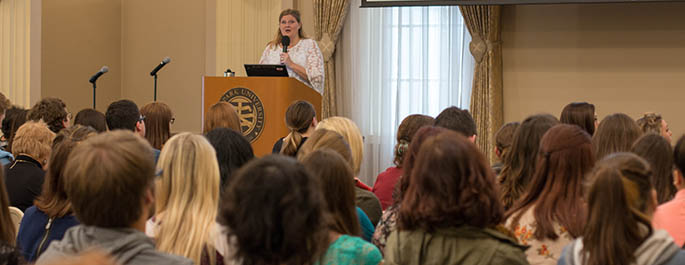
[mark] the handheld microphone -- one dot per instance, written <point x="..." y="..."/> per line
<point x="285" y="41"/>
<point x="162" y="64"/>
<point x="97" y="75"/>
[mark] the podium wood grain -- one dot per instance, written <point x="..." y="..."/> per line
<point x="276" y="94"/>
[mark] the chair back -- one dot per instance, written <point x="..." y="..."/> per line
<point x="16" y="216"/>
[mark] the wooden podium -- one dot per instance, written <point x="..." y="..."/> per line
<point x="261" y="103"/>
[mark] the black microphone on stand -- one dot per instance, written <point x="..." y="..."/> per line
<point x="285" y="41"/>
<point x="95" y="77"/>
<point x="154" y="73"/>
<point x="162" y="64"/>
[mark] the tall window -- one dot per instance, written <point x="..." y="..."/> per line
<point x="409" y="60"/>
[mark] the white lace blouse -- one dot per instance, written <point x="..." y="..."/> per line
<point x="305" y="53"/>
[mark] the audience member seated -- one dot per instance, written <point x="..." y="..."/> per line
<point x="658" y="152"/>
<point x="24" y="177"/>
<point x="8" y="232"/>
<point x="300" y="117"/>
<point x="187" y="201"/>
<point x="670" y="216"/>
<point x="653" y="122"/>
<point x="520" y="164"/>
<point x="618" y="228"/>
<point x="52" y="208"/>
<point x="10" y="115"/>
<point x="52" y="111"/>
<point x="552" y="213"/>
<point x="616" y="133"/>
<point x="388" y="222"/>
<point x="232" y="152"/>
<point x="582" y="114"/>
<point x="15" y="118"/>
<point x="387" y="180"/>
<point x="221" y="115"/>
<point x="450" y="208"/>
<point x="158" y="120"/>
<point x="329" y="140"/>
<point x="92" y="118"/>
<point x="289" y="226"/>
<point x="458" y="120"/>
<point x="124" y="115"/>
<point x="336" y="182"/>
<point x="350" y="132"/>
<point x="109" y="182"/>
<point x="503" y="138"/>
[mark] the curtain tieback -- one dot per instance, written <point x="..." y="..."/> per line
<point x="480" y="47"/>
<point x="327" y="46"/>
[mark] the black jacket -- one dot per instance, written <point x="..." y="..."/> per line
<point x="24" y="181"/>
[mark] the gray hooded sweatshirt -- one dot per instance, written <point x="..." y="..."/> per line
<point x="658" y="249"/>
<point x="126" y="245"/>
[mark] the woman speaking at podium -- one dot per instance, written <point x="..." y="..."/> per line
<point x="300" y="55"/>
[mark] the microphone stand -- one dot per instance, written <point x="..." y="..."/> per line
<point x="155" y="96"/>
<point x="94" y="95"/>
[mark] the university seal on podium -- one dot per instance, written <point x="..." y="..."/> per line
<point x="250" y="111"/>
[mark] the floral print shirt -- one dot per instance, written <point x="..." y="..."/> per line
<point x="541" y="252"/>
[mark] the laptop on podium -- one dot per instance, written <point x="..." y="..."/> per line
<point x="266" y="70"/>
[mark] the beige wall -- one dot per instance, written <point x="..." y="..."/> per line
<point x="152" y="30"/>
<point x="622" y="57"/>
<point x="78" y="38"/>
<point x="131" y="37"/>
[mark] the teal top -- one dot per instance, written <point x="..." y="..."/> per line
<point x="351" y="250"/>
<point x="366" y="225"/>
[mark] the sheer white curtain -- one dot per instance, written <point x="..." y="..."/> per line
<point x="399" y="61"/>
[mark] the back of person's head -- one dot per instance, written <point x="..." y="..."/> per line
<point x="52" y="111"/>
<point x="458" y="120"/>
<point x="654" y="123"/>
<point x="658" y="152"/>
<point x="5" y="103"/>
<point x="221" y="115"/>
<point x="298" y="117"/>
<point x="349" y="130"/>
<point x="620" y="204"/>
<point x="122" y="114"/>
<point x="679" y="155"/>
<point x="556" y="188"/>
<point x="274" y="212"/>
<point x="8" y="232"/>
<point x="405" y="132"/>
<point x="521" y="162"/>
<point x="14" y="118"/>
<point x="616" y="133"/>
<point x="336" y="182"/>
<point x="581" y="114"/>
<point x="323" y="138"/>
<point x="108" y="177"/>
<point x="158" y="118"/>
<point x="53" y="199"/>
<point x="504" y="137"/>
<point x="92" y="118"/>
<point x="10" y="116"/>
<point x="34" y="139"/>
<point x="451" y="184"/>
<point x="233" y="151"/>
<point x="412" y="152"/>
<point x="187" y="195"/>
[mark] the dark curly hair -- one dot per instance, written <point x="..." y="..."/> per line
<point x="52" y="111"/>
<point x="409" y="126"/>
<point x="451" y="184"/>
<point x="122" y="114"/>
<point x="274" y="212"/>
<point x="458" y="120"/>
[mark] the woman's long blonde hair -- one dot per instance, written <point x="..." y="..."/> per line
<point x="349" y="130"/>
<point x="187" y="195"/>
<point x="296" y="14"/>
